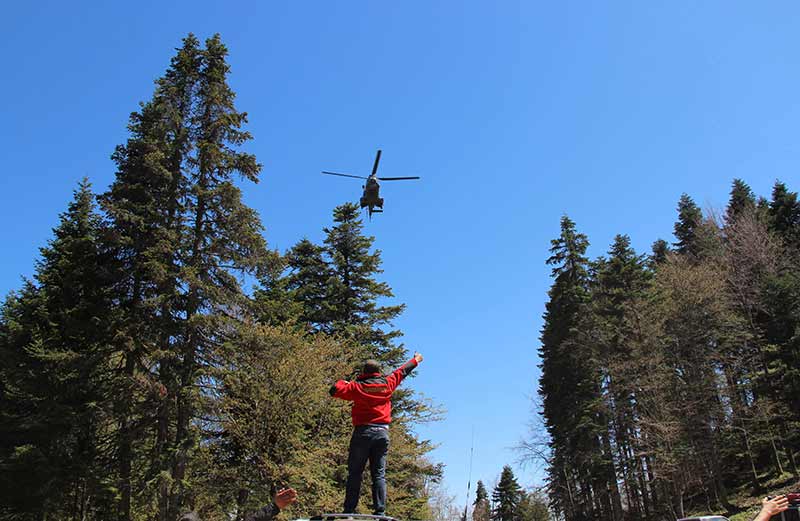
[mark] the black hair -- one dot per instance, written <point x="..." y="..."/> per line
<point x="371" y="366"/>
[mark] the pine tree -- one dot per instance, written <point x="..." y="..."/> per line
<point x="481" y="507"/>
<point x="690" y="218"/>
<point x="784" y="214"/>
<point x="742" y="201"/>
<point x="54" y="347"/>
<point x="308" y="281"/>
<point x="660" y="249"/>
<point x="183" y="237"/>
<point x="620" y="281"/>
<point x="568" y="386"/>
<point x="147" y="206"/>
<point x="221" y="238"/>
<point x="506" y="497"/>
<point x="353" y="293"/>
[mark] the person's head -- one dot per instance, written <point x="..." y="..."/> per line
<point x="371" y="366"/>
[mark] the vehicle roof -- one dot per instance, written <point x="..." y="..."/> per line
<point x="363" y="517"/>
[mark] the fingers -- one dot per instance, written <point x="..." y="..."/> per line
<point x="776" y="504"/>
<point x="287" y="493"/>
<point x="285" y="497"/>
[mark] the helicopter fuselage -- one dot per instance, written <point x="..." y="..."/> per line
<point x="371" y="197"/>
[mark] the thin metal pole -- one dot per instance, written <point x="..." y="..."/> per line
<point x="469" y="479"/>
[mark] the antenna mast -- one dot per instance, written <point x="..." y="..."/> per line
<point x="469" y="479"/>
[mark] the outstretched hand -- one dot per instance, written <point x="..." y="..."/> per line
<point x="772" y="506"/>
<point x="285" y="497"/>
<point x="418" y="357"/>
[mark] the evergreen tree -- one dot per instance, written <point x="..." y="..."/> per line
<point x="146" y="206"/>
<point x="480" y="507"/>
<point x="690" y="218"/>
<point x="54" y="375"/>
<point x="506" y="497"/>
<point x="784" y="213"/>
<point x="353" y="293"/>
<point x="742" y="201"/>
<point x="660" y="249"/>
<point x="308" y="281"/>
<point x="568" y="386"/>
<point x="664" y="383"/>
<point x="183" y="237"/>
<point x="620" y="281"/>
<point x="220" y="239"/>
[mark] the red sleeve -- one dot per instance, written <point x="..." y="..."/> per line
<point x="343" y="389"/>
<point x="394" y="379"/>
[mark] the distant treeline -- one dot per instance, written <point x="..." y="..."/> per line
<point x="509" y="501"/>
<point x="670" y="380"/>
<point x="138" y="380"/>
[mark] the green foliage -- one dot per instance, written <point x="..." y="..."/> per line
<point x="690" y="218"/>
<point x="138" y="380"/>
<point x="742" y="201"/>
<point x="481" y="510"/>
<point x="506" y="497"/>
<point x="533" y="507"/>
<point x="668" y="381"/>
<point x="55" y="376"/>
<point x="784" y="213"/>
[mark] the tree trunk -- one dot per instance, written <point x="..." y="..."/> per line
<point x="126" y="442"/>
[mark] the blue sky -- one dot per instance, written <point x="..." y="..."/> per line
<point x="513" y="113"/>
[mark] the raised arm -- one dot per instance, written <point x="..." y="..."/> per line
<point x="342" y="389"/>
<point x="394" y="379"/>
<point x="282" y="499"/>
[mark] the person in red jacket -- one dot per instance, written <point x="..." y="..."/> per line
<point x="371" y="394"/>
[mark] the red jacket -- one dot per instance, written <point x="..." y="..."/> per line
<point x="371" y="394"/>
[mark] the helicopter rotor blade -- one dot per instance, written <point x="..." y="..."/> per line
<point x="397" y="178"/>
<point x="377" y="159"/>
<point x="344" y="175"/>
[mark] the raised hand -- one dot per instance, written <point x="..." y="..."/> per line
<point x="285" y="497"/>
<point x="772" y="506"/>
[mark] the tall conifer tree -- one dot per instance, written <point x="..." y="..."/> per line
<point x="690" y="219"/>
<point x="742" y="201"/>
<point x="506" y="497"/>
<point x="353" y="291"/>
<point x="55" y="374"/>
<point x="480" y="507"/>
<point x="567" y="386"/>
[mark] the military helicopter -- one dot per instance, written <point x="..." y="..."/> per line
<point x="371" y="199"/>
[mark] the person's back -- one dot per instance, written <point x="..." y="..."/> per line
<point x="371" y="394"/>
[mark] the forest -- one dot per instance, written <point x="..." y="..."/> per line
<point x="141" y="377"/>
<point x="163" y="358"/>
<point x="670" y="380"/>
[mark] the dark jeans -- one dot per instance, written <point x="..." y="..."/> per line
<point x="368" y="443"/>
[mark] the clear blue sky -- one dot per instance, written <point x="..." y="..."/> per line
<point x="513" y="112"/>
